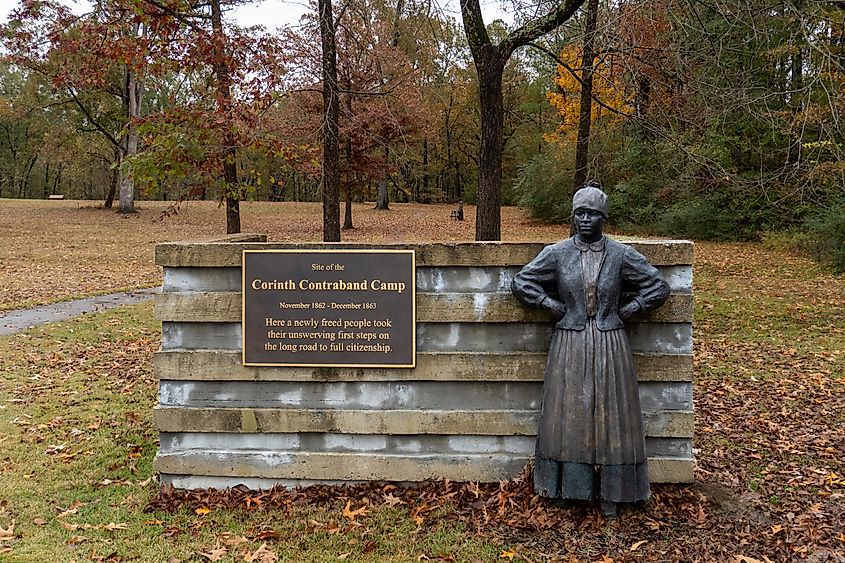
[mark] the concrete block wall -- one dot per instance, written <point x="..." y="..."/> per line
<point x="468" y="411"/>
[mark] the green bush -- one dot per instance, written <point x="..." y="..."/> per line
<point x="827" y="228"/>
<point x="544" y="187"/>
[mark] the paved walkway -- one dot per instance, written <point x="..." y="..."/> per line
<point x="22" y="319"/>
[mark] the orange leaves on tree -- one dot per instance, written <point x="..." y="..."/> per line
<point x="608" y="87"/>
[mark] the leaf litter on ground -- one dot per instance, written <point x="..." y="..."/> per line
<point x="769" y="365"/>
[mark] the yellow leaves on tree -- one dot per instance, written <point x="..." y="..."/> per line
<point x="608" y="87"/>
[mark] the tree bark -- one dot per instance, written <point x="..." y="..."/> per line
<point x="133" y="90"/>
<point x="490" y="63"/>
<point x="488" y="209"/>
<point x="113" y="180"/>
<point x="585" y="113"/>
<point x="46" y="180"/>
<point x="382" y="196"/>
<point x="425" y="171"/>
<point x="347" y="214"/>
<point x="231" y="189"/>
<point x="330" y="177"/>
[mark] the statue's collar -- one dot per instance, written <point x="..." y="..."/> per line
<point x="597" y="246"/>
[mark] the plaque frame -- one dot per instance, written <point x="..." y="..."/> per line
<point x="318" y="251"/>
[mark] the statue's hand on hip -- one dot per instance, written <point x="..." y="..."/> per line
<point x="556" y="308"/>
<point x="629" y="310"/>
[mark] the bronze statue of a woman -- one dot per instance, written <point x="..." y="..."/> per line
<point x="590" y="442"/>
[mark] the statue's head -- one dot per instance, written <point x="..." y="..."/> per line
<point x="589" y="211"/>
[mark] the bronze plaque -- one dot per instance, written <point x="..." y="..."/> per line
<point x="333" y="308"/>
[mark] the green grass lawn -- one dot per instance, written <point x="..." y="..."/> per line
<point x="77" y="442"/>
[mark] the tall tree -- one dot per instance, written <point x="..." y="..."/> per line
<point x="490" y="63"/>
<point x="231" y="189"/>
<point x="585" y="114"/>
<point x="330" y="177"/>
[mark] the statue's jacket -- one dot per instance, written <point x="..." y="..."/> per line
<point x="558" y="269"/>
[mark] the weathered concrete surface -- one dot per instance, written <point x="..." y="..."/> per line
<point x="192" y="254"/>
<point x="663" y="424"/>
<point x="223" y="365"/>
<point x="467" y="279"/>
<point x="225" y="306"/>
<point x="650" y="338"/>
<point x="173" y="442"/>
<point x="410" y="394"/>
<point x="375" y="467"/>
<point x="661" y="470"/>
<point x="22" y="319"/>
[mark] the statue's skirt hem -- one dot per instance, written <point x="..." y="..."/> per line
<point x="585" y="481"/>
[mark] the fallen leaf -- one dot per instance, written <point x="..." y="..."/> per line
<point x="231" y="540"/>
<point x="636" y="545"/>
<point x="202" y="511"/>
<point x="39" y="522"/>
<point x="507" y="554"/>
<point x="76" y="540"/>
<point x="215" y="554"/>
<point x="261" y="555"/>
<point x="111" y="526"/>
<point x="391" y="500"/>
<point x="352" y="514"/>
<point x="8" y="532"/>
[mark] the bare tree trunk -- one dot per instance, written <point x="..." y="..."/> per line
<point x="57" y="180"/>
<point x="382" y="196"/>
<point x="488" y="209"/>
<point x="585" y="114"/>
<point x="46" y="180"/>
<point x="29" y="173"/>
<point x="113" y="181"/>
<point x="132" y="91"/>
<point x="347" y="215"/>
<point x="425" y="171"/>
<point x="230" y="168"/>
<point x="330" y="177"/>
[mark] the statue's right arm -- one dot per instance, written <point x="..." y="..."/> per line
<point x="530" y="283"/>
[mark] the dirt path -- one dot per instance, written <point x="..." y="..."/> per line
<point x="22" y="319"/>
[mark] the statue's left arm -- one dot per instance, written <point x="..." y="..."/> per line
<point x="652" y="289"/>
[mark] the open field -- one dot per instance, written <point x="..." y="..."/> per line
<point x="76" y="437"/>
<point x="56" y="250"/>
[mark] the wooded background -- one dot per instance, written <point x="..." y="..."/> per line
<point x="709" y="119"/>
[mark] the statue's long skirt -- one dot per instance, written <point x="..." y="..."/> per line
<point x="590" y="440"/>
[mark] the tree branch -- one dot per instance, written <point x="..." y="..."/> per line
<point x="93" y="121"/>
<point x="533" y="29"/>
<point x="474" y="27"/>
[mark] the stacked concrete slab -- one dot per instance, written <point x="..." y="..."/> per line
<point x="468" y="411"/>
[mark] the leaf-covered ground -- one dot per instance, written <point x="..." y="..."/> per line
<point x="56" y="250"/>
<point x="76" y="450"/>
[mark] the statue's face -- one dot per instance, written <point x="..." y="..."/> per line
<point x="589" y="223"/>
